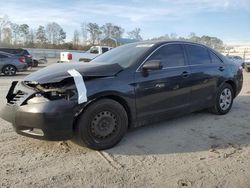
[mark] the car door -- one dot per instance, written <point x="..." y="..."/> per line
<point x="166" y="91"/>
<point x="2" y="61"/>
<point x="206" y="72"/>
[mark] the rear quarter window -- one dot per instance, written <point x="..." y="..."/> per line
<point x="215" y="58"/>
<point x="12" y="51"/>
<point x="25" y="52"/>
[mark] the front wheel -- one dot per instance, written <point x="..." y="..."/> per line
<point x="224" y="100"/>
<point x="102" y="125"/>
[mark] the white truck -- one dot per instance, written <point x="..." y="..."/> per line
<point x="87" y="56"/>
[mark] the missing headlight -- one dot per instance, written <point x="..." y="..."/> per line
<point x="35" y="100"/>
<point x="54" y="95"/>
<point x="53" y="91"/>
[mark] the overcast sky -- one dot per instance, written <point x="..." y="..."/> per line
<point x="226" y="19"/>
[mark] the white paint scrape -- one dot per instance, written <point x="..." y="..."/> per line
<point x="80" y="86"/>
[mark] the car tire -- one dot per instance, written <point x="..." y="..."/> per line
<point x="224" y="100"/>
<point x="9" y="70"/>
<point x="102" y="125"/>
<point x="247" y="69"/>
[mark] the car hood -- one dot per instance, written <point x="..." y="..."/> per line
<point x="58" y="72"/>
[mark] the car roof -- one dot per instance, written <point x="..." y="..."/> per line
<point x="14" y="50"/>
<point x="5" y="53"/>
<point x="167" y="41"/>
<point x="158" y="43"/>
<point x="11" y="49"/>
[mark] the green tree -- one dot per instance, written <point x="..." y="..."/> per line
<point x="76" y="39"/>
<point x="94" y="32"/>
<point x="84" y="33"/>
<point x="62" y="36"/>
<point x="41" y="38"/>
<point x="31" y="39"/>
<point x="24" y="33"/>
<point x="135" y="34"/>
<point x="7" y="36"/>
<point x="110" y="30"/>
<point x="55" y="33"/>
<point x="4" y="22"/>
<point x="15" y="33"/>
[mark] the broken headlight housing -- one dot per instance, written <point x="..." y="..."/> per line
<point x="52" y="91"/>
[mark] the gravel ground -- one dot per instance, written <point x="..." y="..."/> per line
<point x="196" y="150"/>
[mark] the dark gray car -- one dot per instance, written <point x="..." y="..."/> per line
<point x="10" y="64"/>
<point x="129" y="86"/>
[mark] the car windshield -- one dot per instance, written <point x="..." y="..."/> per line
<point x="125" y="55"/>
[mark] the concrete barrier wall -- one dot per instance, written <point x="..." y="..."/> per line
<point x="48" y="53"/>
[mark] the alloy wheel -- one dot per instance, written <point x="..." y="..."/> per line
<point x="9" y="70"/>
<point x="225" y="99"/>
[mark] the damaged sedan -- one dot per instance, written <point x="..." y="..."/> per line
<point x="127" y="87"/>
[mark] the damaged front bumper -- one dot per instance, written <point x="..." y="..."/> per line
<point x="49" y="120"/>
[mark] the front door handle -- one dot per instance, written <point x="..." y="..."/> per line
<point x="185" y="74"/>
<point x="221" y="68"/>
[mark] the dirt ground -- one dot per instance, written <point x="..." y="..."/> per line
<point x="197" y="150"/>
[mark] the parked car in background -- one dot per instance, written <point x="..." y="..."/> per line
<point x="42" y="60"/>
<point x="237" y="59"/>
<point x="93" y="52"/>
<point x="39" y="60"/>
<point x="128" y="86"/>
<point x="247" y="64"/>
<point x="20" y="52"/>
<point x="10" y="64"/>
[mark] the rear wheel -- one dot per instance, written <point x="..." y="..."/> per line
<point x="102" y="125"/>
<point x="9" y="70"/>
<point x="35" y="63"/>
<point x="224" y="100"/>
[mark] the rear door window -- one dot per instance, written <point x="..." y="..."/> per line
<point x="198" y="55"/>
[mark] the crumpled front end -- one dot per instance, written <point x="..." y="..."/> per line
<point x="44" y="111"/>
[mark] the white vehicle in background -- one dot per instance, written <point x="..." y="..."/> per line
<point x="87" y="56"/>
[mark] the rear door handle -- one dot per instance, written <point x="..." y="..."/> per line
<point x="221" y="68"/>
<point x="160" y="85"/>
<point x="185" y="74"/>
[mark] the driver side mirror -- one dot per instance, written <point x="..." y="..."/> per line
<point x="152" y="65"/>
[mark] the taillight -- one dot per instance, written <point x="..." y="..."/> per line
<point x="21" y="59"/>
<point x="69" y="56"/>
